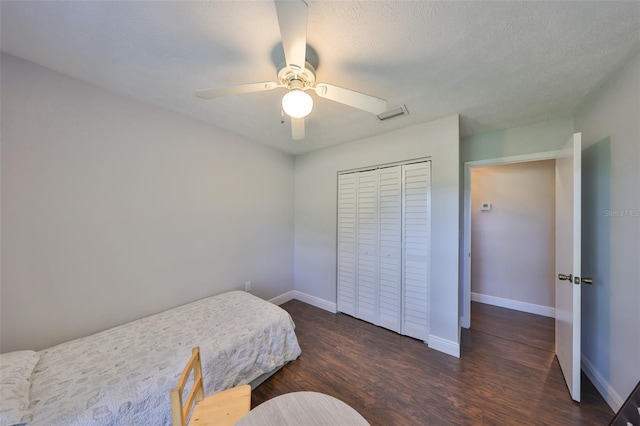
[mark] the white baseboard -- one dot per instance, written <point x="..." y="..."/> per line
<point x="608" y="393"/>
<point x="306" y="298"/>
<point x="315" y="301"/>
<point x="443" y="345"/>
<point x="279" y="300"/>
<point x="531" y="308"/>
<point x="434" y="342"/>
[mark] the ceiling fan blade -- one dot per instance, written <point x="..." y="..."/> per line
<point x="236" y="90"/>
<point x="352" y="98"/>
<point x="297" y="128"/>
<point x="292" y="17"/>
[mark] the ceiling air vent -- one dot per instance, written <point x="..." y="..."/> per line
<point x="392" y="113"/>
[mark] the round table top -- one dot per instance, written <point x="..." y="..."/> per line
<point x="302" y="408"/>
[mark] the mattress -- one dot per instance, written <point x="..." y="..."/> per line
<point x="124" y="375"/>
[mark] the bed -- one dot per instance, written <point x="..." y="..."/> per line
<point x="123" y="376"/>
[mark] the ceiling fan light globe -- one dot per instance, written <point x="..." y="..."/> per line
<point x="297" y="104"/>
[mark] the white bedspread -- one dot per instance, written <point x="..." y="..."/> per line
<point x="123" y="376"/>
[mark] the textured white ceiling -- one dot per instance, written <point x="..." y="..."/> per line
<point x="497" y="64"/>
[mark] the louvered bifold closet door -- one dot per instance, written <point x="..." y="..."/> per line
<point x="367" y="240"/>
<point x="347" y="243"/>
<point x="416" y="234"/>
<point x="390" y="248"/>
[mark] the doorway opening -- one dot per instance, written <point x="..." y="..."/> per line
<point x="513" y="251"/>
<point x="511" y="202"/>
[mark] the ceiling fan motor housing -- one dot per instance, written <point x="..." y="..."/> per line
<point x="293" y="78"/>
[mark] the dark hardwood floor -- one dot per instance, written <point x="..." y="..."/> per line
<point x="507" y="375"/>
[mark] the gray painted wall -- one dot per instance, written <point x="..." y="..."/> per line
<point x="113" y="210"/>
<point x="610" y="128"/>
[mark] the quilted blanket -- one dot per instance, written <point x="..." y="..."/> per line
<point x="123" y="376"/>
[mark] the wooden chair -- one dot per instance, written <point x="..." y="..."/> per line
<point x="222" y="408"/>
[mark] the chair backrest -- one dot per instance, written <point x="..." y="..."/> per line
<point x="179" y="411"/>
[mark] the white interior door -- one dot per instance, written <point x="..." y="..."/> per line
<point x="568" y="268"/>
<point x="417" y="242"/>
<point x="367" y="246"/>
<point x="390" y="253"/>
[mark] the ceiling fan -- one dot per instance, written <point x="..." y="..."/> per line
<point x="297" y="75"/>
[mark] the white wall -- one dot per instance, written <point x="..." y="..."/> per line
<point x="545" y="136"/>
<point x="315" y="215"/>
<point x="610" y="128"/>
<point x="513" y="244"/>
<point x="112" y="210"/>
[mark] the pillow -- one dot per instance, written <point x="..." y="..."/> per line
<point x="15" y="383"/>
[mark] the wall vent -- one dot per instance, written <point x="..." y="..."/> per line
<point x="392" y="113"/>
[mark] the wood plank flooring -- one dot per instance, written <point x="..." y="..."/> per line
<point x="507" y="375"/>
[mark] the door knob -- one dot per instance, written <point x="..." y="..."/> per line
<point x="587" y="280"/>
<point x="563" y="277"/>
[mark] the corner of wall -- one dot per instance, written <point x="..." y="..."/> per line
<point x="283" y="298"/>
<point x="609" y="394"/>
<point x="315" y="301"/>
<point x="446" y="346"/>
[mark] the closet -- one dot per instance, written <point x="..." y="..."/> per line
<point x="383" y="246"/>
